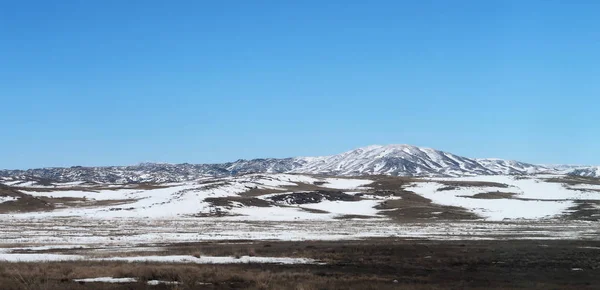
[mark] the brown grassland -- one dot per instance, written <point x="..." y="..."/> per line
<point x="368" y="264"/>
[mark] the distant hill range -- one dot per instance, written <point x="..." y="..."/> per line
<point x="399" y="160"/>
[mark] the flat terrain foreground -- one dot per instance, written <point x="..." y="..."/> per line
<point x="367" y="264"/>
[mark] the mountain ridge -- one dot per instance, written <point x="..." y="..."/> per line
<point x="395" y="159"/>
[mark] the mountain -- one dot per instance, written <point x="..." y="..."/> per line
<point x="401" y="160"/>
<point x="509" y="167"/>
<point x="407" y="160"/>
<point x="590" y="171"/>
<point x="152" y="172"/>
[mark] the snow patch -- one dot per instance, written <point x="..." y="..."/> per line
<point x="343" y="183"/>
<point x="106" y="280"/>
<point x="38" y="257"/>
<point x="4" y="199"/>
<point x="212" y="260"/>
<point x="534" y="197"/>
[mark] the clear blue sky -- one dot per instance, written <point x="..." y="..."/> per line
<point x="117" y="82"/>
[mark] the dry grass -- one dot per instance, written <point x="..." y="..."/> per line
<point x="587" y="210"/>
<point x="575" y="180"/>
<point x="373" y="264"/>
<point x="50" y="276"/>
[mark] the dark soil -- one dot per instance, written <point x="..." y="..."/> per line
<point x="494" y="195"/>
<point x="246" y="201"/>
<point x="313" y="197"/>
<point x="462" y="183"/>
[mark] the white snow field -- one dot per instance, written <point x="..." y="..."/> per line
<point x="533" y="199"/>
<point x="180" y="212"/>
<point x="185" y="199"/>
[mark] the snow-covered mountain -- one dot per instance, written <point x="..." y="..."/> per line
<point x="589" y="171"/>
<point x="152" y="172"/>
<point x="509" y="167"/>
<point x="407" y="160"/>
<point x="401" y="160"/>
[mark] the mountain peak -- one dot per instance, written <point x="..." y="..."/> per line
<point x="395" y="159"/>
<point x="389" y="147"/>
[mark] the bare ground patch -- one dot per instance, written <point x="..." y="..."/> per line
<point x="493" y="195"/>
<point x="255" y="191"/>
<point x="313" y="197"/>
<point x="29" y="203"/>
<point x="232" y="200"/>
<point x="462" y="183"/>
<point x="413" y="207"/>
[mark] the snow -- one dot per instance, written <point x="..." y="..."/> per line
<point x="4" y="257"/>
<point x="294" y="178"/>
<point x="107" y="280"/>
<point x="533" y="187"/>
<point x="212" y="260"/>
<point x="344" y="183"/>
<point x="89" y="194"/>
<point x="44" y="248"/>
<point x="167" y="214"/>
<point x="276" y="213"/>
<point x="536" y="198"/>
<point x="393" y="159"/>
<point x="103" y="235"/>
<point x="4" y="199"/>
<point x="296" y="212"/>
<point x="19" y="183"/>
<point x="362" y="207"/>
<point x="125" y="280"/>
<point x="158" y="282"/>
<point x="188" y="199"/>
<point x="182" y="199"/>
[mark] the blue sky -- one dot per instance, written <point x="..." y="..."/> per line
<point x="121" y="82"/>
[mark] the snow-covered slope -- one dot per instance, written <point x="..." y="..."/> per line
<point x="295" y="197"/>
<point x="407" y="160"/>
<point x="150" y="172"/>
<point x="401" y="160"/>
<point x="501" y="166"/>
<point x="214" y="197"/>
<point x="592" y="171"/>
